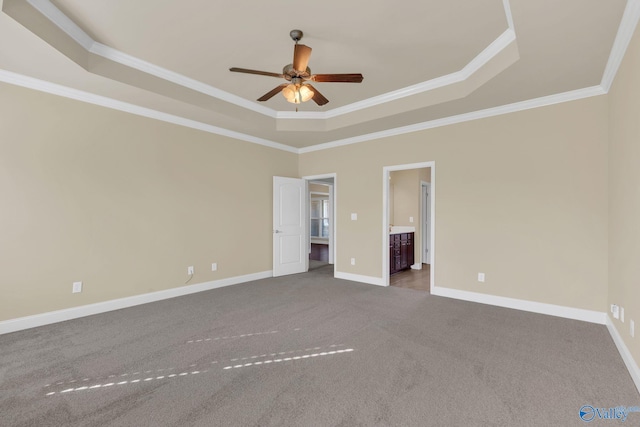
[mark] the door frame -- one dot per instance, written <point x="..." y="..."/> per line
<point x="425" y="218"/>
<point x="333" y="200"/>
<point x="385" y="217"/>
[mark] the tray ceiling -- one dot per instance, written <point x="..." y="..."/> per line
<point x="422" y="63"/>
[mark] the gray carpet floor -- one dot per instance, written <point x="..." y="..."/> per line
<point x="310" y="350"/>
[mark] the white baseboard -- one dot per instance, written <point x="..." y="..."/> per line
<point x="631" y="364"/>
<point x="358" y="278"/>
<point x="518" y="304"/>
<point x="27" y="322"/>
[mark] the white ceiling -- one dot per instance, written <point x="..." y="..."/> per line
<point x="425" y="62"/>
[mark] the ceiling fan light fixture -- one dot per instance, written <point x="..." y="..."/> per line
<point x="298" y="73"/>
<point x="297" y="93"/>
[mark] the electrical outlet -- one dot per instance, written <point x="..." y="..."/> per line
<point x="190" y="270"/>
<point x="353" y="261"/>
<point x="77" y="287"/>
<point x="214" y="266"/>
<point x="481" y="277"/>
<point x="615" y="310"/>
<point x="632" y="328"/>
<point x="354" y="217"/>
<point x="410" y="219"/>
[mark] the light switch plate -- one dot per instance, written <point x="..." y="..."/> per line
<point x="354" y="217"/>
<point x="480" y="277"/>
<point x="77" y="287"/>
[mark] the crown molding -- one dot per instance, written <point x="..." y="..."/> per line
<point x="51" y="12"/>
<point x="509" y="16"/>
<point x="67" y="92"/>
<point x="626" y="30"/>
<point x="623" y="38"/>
<point x="103" y="101"/>
<point x="179" y="79"/>
<point x="497" y="46"/>
<point x="481" y="114"/>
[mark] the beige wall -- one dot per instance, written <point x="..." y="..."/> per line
<point x="122" y="203"/>
<point x="521" y="197"/>
<point x="125" y="203"/>
<point x="425" y="174"/>
<point x="406" y="203"/>
<point x="624" y="194"/>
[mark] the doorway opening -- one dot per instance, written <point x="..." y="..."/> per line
<point x="321" y="197"/>
<point x="409" y="225"/>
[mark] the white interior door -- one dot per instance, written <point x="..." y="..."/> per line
<point x="289" y="226"/>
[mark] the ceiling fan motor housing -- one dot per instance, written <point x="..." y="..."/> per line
<point x="296" y="35"/>
<point x="289" y="72"/>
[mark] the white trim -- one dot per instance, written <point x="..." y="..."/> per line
<point x="625" y="31"/>
<point x="67" y="92"/>
<point x="523" y="305"/>
<point x="179" y="79"/>
<point x="103" y="101"/>
<point x="631" y="364"/>
<point x="497" y="46"/>
<point x="332" y="224"/>
<point x="359" y="278"/>
<point x="432" y="241"/>
<point x="62" y="21"/>
<point x="623" y="38"/>
<point x="52" y="13"/>
<point x="27" y="322"/>
<point x="425" y="217"/>
<point x="461" y="118"/>
<point x="509" y="16"/>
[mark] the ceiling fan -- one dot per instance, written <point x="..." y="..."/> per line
<point x="299" y="75"/>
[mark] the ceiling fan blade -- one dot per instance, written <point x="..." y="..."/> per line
<point x="301" y="54"/>
<point x="337" y="78"/>
<point x="318" y="98"/>
<point x="273" y="92"/>
<point x="261" y="73"/>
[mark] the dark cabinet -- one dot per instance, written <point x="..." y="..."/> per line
<point x="400" y="252"/>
